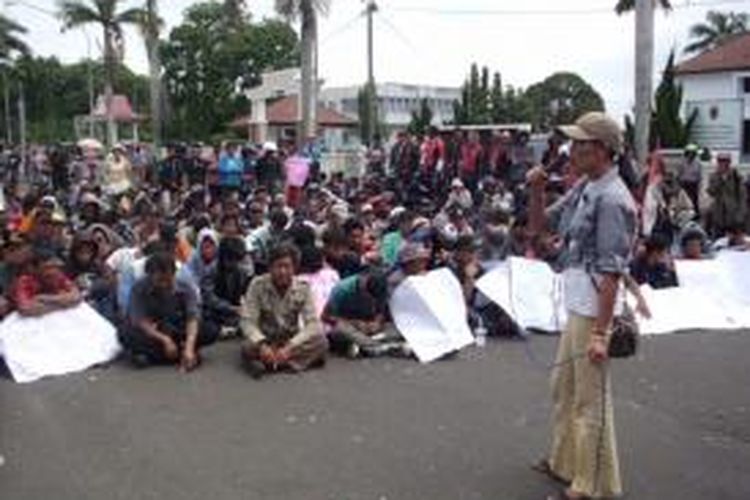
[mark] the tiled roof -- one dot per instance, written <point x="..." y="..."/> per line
<point x="732" y="55"/>
<point x="285" y="112"/>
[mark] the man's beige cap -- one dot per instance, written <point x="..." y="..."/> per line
<point x="595" y="126"/>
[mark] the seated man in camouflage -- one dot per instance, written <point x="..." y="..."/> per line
<point x="279" y="320"/>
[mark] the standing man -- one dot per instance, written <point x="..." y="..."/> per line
<point x="690" y="175"/>
<point x="728" y="197"/>
<point x="597" y="221"/>
<point x="279" y="320"/>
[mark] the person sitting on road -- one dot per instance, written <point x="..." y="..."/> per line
<point x="357" y="313"/>
<point x="654" y="266"/>
<point x="44" y="288"/>
<point x="482" y="312"/>
<point x="223" y="287"/>
<point x="736" y="239"/>
<point x="414" y="260"/>
<point x="279" y="320"/>
<point x="693" y="243"/>
<point x="164" y="324"/>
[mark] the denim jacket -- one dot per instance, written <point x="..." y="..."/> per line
<point x="598" y="222"/>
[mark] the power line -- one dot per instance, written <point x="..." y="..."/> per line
<point x="341" y="29"/>
<point x="550" y="12"/>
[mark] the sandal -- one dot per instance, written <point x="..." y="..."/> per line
<point x="564" y="495"/>
<point x="543" y="467"/>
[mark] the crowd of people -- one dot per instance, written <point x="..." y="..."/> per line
<point x="259" y="243"/>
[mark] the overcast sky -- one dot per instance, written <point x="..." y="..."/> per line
<point x="435" y="41"/>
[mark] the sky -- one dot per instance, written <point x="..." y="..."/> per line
<point x="435" y="41"/>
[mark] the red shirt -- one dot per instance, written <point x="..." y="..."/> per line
<point x="27" y="287"/>
<point x="433" y="150"/>
<point x="470" y="154"/>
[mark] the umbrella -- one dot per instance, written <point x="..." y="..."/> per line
<point x="90" y="143"/>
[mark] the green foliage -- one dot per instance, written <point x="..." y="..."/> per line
<point x="624" y="6"/>
<point x="668" y="129"/>
<point x="560" y="99"/>
<point x="717" y="29"/>
<point x="10" y="39"/>
<point x="206" y="66"/>
<point x="55" y="93"/>
<point x="421" y="119"/>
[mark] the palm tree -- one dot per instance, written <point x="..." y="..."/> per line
<point x="10" y="44"/>
<point x="307" y="11"/>
<point x="150" y="26"/>
<point x="77" y="13"/>
<point x="644" y="68"/>
<point x="10" y="40"/>
<point x="624" y="6"/>
<point x="719" y="26"/>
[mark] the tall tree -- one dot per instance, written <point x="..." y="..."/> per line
<point x="11" y="41"/>
<point x="561" y="98"/>
<point x="307" y="11"/>
<point x="624" y="6"/>
<point x="206" y="66"/>
<point x="719" y="26"/>
<point x="105" y="14"/>
<point x="644" y="65"/>
<point x="421" y="118"/>
<point x="11" y="44"/>
<point x="150" y="26"/>
<point x="668" y="129"/>
<point x="497" y="100"/>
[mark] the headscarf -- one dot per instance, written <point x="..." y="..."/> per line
<point x="196" y="265"/>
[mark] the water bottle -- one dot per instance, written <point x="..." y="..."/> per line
<point x="480" y="334"/>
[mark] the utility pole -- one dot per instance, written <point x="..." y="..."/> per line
<point x="372" y="93"/>
<point x="644" y="71"/>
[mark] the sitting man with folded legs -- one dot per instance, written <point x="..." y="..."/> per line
<point x="279" y="320"/>
<point x="356" y="311"/>
<point x="164" y="318"/>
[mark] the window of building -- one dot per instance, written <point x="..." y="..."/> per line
<point x="746" y="85"/>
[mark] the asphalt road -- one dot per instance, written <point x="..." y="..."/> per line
<point x="381" y="429"/>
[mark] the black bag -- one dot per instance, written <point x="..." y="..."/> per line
<point x="623" y="340"/>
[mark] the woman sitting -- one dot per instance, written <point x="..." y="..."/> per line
<point x="223" y="287"/>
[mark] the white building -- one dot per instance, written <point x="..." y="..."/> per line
<point x="716" y="83"/>
<point x="338" y="107"/>
<point x="275" y="113"/>
<point x="396" y="102"/>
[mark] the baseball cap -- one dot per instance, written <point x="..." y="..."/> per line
<point x="595" y="126"/>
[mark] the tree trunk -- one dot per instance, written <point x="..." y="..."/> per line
<point x="22" y="129"/>
<point x="155" y="90"/>
<point x="309" y="91"/>
<point x="110" y="61"/>
<point x="644" y="71"/>
<point x="6" y="101"/>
